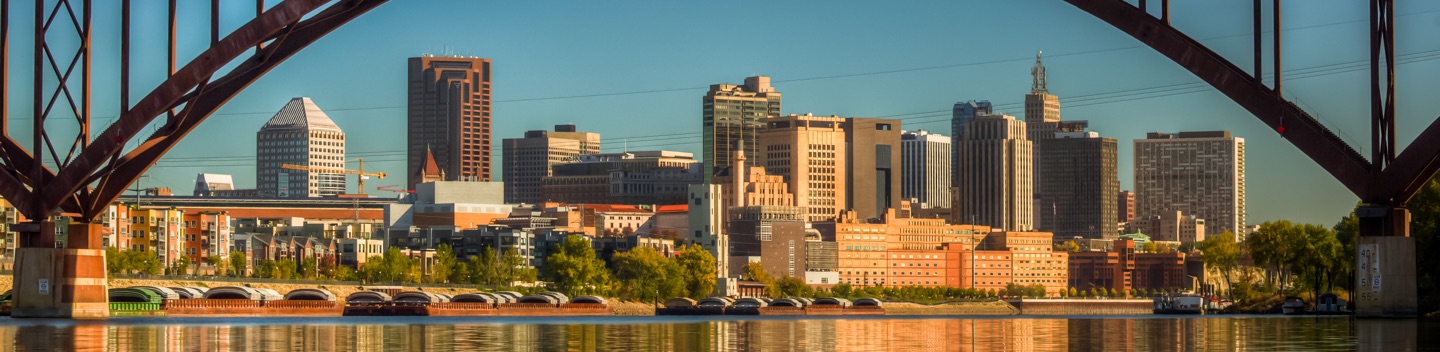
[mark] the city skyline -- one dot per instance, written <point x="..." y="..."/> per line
<point x="1285" y="183"/>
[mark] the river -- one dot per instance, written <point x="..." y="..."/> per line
<point x="1138" y="333"/>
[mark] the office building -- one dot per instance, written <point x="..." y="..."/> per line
<point x="995" y="171"/>
<point x="637" y="177"/>
<point x="300" y="134"/>
<point x="1125" y="206"/>
<point x="925" y="170"/>
<point x="1198" y="173"/>
<point x="735" y="113"/>
<point x="448" y="114"/>
<point x="530" y="159"/>
<point x="873" y="164"/>
<point x="809" y="152"/>
<point x="962" y="113"/>
<point x="1078" y="179"/>
<point x="771" y="235"/>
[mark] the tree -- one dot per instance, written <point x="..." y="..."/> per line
<point x="1151" y="247"/>
<point x="574" y="269"/>
<point x="1073" y="292"/>
<point x="517" y="268"/>
<point x="1270" y="248"/>
<point x="790" y="286"/>
<point x="482" y="267"/>
<point x="216" y="262"/>
<point x="238" y="263"/>
<point x="1222" y="252"/>
<point x="755" y="271"/>
<point x="699" y="270"/>
<point x="444" y="264"/>
<point x="182" y="265"/>
<point x="1068" y="246"/>
<point x="115" y="261"/>
<point x="310" y="268"/>
<point x="393" y="266"/>
<point x="286" y="269"/>
<point x="345" y="273"/>
<point x="842" y="290"/>
<point x="265" y="269"/>
<point x="646" y="275"/>
<point x="327" y="266"/>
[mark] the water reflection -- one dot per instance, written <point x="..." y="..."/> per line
<point x="684" y="334"/>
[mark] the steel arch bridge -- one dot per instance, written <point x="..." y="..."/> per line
<point x="78" y="172"/>
<point x="1384" y="182"/>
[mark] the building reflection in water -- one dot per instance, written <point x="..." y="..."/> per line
<point x="648" y="334"/>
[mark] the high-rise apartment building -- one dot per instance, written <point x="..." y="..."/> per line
<point x="528" y="160"/>
<point x="873" y="158"/>
<point x="995" y="171"/>
<point x="300" y="134"/>
<point x="1198" y="173"/>
<point x="734" y="113"/>
<point x="1077" y="183"/>
<point x="962" y="114"/>
<point x="809" y="151"/>
<point x="925" y="171"/>
<point x="449" y="115"/>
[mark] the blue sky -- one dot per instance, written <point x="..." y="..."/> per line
<point x="909" y="60"/>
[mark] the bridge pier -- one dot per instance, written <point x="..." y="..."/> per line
<point x="69" y="282"/>
<point x="1385" y="264"/>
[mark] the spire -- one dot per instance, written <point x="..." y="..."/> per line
<point x="1038" y="73"/>
<point x="430" y="170"/>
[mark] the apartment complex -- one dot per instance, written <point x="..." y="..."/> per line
<point x="1198" y="173"/>
<point x="530" y="159"/>
<point x="1078" y="178"/>
<point x="732" y="115"/>
<point x="448" y="113"/>
<point x="300" y="134"/>
<point x="995" y="171"/>
<point x="925" y="170"/>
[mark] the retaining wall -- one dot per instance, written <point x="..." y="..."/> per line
<point x="1084" y="306"/>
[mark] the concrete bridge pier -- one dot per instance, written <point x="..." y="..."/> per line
<point x="51" y="282"/>
<point x="1385" y="264"/>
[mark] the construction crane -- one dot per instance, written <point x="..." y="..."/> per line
<point x="341" y="171"/>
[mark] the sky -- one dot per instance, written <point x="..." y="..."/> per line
<point x="635" y="72"/>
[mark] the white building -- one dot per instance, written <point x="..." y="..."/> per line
<point x="1198" y="173"/>
<point x="925" y="170"/>
<point x="300" y="134"/>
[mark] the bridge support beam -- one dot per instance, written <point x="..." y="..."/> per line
<point x="1385" y="264"/>
<point x="68" y="282"/>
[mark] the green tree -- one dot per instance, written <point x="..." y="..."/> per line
<point x="444" y="264"/>
<point x="482" y="267"/>
<point x="574" y="269"/>
<point x="115" y="261"/>
<point x="461" y="274"/>
<point x="515" y="267"/>
<point x="265" y="269"/>
<point x="755" y="271"/>
<point x="238" y="263"/>
<point x="345" y="273"/>
<point x="1270" y="247"/>
<point x="699" y="270"/>
<point x="181" y="266"/>
<point x="1222" y="252"/>
<point x="1067" y="246"/>
<point x="842" y="290"/>
<point x="285" y="269"/>
<point x="216" y="262"/>
<point x="790" y="286"/>
<point x="310" y="268"/>
<point x="645" y="275"/>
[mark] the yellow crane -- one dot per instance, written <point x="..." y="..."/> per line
<point x="341" y="171"/>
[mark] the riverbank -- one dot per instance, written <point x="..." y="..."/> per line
<point x="951" y="308"/>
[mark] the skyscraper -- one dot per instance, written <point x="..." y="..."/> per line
<point x="449" y="115"/>
<point x="733" y="113"/>
<point x="809" y="151"/>
<point x="1077" y="187"/>
<point x="962" y="114"/>
<point x="1125" y="206"/>
<point x="1198" y="173"/>
<point x="925" y="175"/>
<point x="873" y="157"/>
<point x="995" y="171"/>
<point x="300" y="134"/>
<point x="527" y="160"/>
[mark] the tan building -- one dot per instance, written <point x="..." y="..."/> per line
<point x="732" y="114"/>
<point x="1033" y="259"/>
<point x="300" y="134"/>
<point x="1199" y="173"/>
<point x="874" y="163"/>
<point x="995" y="175"/>
<point x="449" y="115"/>
<point x="812" y="148"/>
<point x="1171" y="226"/>
<point x="528" y="160"/>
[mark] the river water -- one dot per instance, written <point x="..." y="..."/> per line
<point x="1139" y="333"/>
